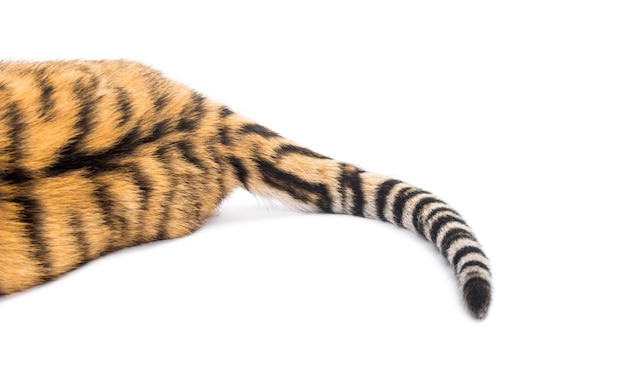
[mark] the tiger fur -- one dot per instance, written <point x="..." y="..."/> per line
<point x="96" y="156"/>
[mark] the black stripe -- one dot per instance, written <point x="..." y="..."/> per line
<point x="225" y="111"/>
<point x="84" y="96"/>
<point x="14" y="173"/>
<point x="240" y="170"/>
<point x="123" y="106"/>
<point x="107" y="208"/>
<point x="418" y="222"/>
<point x="160" y="100"/>
<point x="223" y="134"/>
<point x="473" y="263"/>
<point x="159" y="130"/>
<point x="437" y="210"/>
<point x="186" y="150"/>
<point x="381" y="197"/>
<point x="158" y="93"/>
<point x="193" y="113"/>
<point x="97" y="162"/>
<point x="396" y="206"/>
<point x="350" y="179"/>
<point x="45" y="98"/>
<point x="296" y="187"/>
<point x="399" y="203"/>
<point x="289" y="149"/>
<point x="466" y="250"/>
<point x="439" y="223"/>
<point x="78" y="229"/>
<point x="259" y="130"/>
<point x="358" y="201"/>
<point x="453" y="235"/>
<point x="30" y="216"/>
<point x="343" y="188"/>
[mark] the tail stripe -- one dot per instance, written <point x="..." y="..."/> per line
<point x="437" y="225"/>
<point x="473" y="263"/>
<point x="399" y="205"/>
<point x="223" y="134"/>
<point x="296" y="187"/>
<point x="451" y="236"/>
<point x="463" y="252"/>
<point x="225" y="111"/>
<point x="351" y="180"/>
<point x="259" y="130"/>
<point x="240" y="171"/>
<point x="290" y="149"/>
<point x="185" y="149"/>
<point x="381" y="197"/>
<point x="418" y="213"/>
<point x="437" y="210"/>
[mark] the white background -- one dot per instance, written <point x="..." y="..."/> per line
<point x="511" y="111"/>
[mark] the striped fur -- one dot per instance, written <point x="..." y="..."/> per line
<point x="96" y="156"/>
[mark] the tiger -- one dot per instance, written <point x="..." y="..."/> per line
<point x="96" y="156"/>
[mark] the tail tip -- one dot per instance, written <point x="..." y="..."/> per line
<point x="477" y="294"/>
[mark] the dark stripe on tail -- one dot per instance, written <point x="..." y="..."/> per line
<point x="436" y="226"/>
<point x="437" y="210"/>
<point x="418" y="221"/>
<point x="259" y="130"/>
<point x="223" y="134"/>
<point x="225" y="111"/>
<point x="351" y="179"/>
<point x="466" y="250"/>
<point x="453" y="235"/>
<point x="473" y="263"/>
<point x="240" y="170"/>
<point x="400" y="203"/>
<point x="186" y="150"/>
<point x="381" y="197"/>
<point x="294" y="149"/>
<point x="296" y="187"/>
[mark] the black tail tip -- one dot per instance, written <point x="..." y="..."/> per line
<point x="477" y="294"/>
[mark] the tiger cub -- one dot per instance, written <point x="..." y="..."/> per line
<point x="96" y="156"/>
